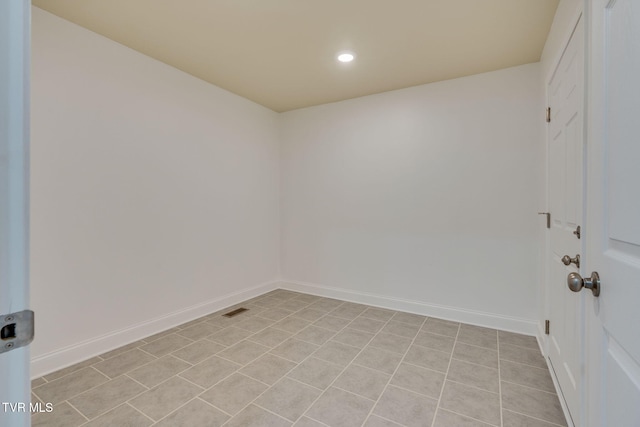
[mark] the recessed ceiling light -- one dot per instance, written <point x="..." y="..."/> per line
<point x="346" y="57"/>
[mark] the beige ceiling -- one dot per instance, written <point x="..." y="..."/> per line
<point x="281" y="53"/>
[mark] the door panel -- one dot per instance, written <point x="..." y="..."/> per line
<point x="566" y="159"/>
<point x="14" y="197"/>
<point x="613" y="244"/>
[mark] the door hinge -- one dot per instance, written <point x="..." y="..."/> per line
<point x="546" y="327"/>
<point x="548" y="218"/>
<point x="16" y="330"/>
<point x="548" y="114"/>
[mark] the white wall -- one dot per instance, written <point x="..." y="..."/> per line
<point x="154" y="195"/>
<point x="427" y="194"/>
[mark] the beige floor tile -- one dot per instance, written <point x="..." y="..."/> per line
<point x="522" y="355"/>
<point x="191" y="323"/>
<point x="315" y="335"/>
<point x="348" y="311"/>
<point x="535" y="403"/>
<point x="73" y="368"/>
<point x="381" y="360"/>
<point x="152" y="374"/>
<point x="120" y="350"/>
<point x="512" y="419"/>
<point x="199" y="331"/>
<point x="253" y="416"/>
<point x="315" y="372"/>
<point x="37" y="381"/>
<point x="165" y="398"/>
<point x="63" y="415"/>
<point x="478" y="330"/>
<point x="474" y="375"/>
<point x="405" y="407"/>
<point x="292" y="324"/>
<point x="445" y="418"/>
<point x="196" y="413"/>
<point x="210" y="371"/>
<point x="233" y="393"/>
<point x="308" y="298"/>
<point x="294" y="350"/>
<point x="276" y="314"/>
<point x="338" y="408"/>
<point x="469" y="336"/>
<point x="292" y="305"/>
<point x="379" y="314"/>
<point x="244" y="352"/>
<point x="293" y="356"/>
<point x="362" y="381"/>
<point x="308" y="422"/>
<point x="409" y="318"/>
<point x="326" y="304"/>
<point x="70" y="385"/>
<point x="331" y="322"/>
<point x="419" y="380"/>
<point x="123" y="363"/>
<point x="230" y="336"/>
<point x="255" y="323"/>
<point x="440" y="327"/>
<point x="288" y="398"/>
<point x="526" y="375"/>
<point x="268" y="368"/>
<point x="519" y="340"/>
<point x="376" y="421"/>
<point x="166" y="345"/>
<point x="471" y="402"/>
<point x="428" y="358"/>
<point x="435" y="341"/>
<point x="391" y="342"/>
<point x="310" y="314"/>
<point x="106" y="396"/>
<point x="478" y="355"/>
<point x="402" y="329"/>
<point x="122" y="416"/>
<point x="198" y="351"/>
<point x="353" y="337"/>
<point x="270" y="337"/>
<point x="366" y="324"/>
<point x="338" y="353"/>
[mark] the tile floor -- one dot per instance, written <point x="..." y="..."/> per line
<point x="302" y="360"/>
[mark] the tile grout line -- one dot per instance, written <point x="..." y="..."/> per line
<point x="78" y="411"/>
<point x="404" y="354"/>
<point x="444" y="383"/>
<point x="285" y="375"/>
<point x="536" y="418"/>
<point x="349" y="364"/>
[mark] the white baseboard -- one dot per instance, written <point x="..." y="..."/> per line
<point x="59" y="359"/>
<point x="489" y="320"/>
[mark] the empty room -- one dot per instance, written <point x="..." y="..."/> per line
<point x="323" y="213"/>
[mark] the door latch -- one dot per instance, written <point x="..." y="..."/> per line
<point x="16" y="330"/>
<point x="577" y="232"/>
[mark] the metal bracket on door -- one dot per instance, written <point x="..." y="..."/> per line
<point x="548" y="218"/>
<point x="16" y="330"/>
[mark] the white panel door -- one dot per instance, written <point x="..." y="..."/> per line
<point x="566" y="157"/>
<point x="613" y="240"/>
<point x="14" y="196"/>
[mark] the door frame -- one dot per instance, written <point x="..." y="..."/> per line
<point x="15" y="34"/>
<point x="576" y="15"/>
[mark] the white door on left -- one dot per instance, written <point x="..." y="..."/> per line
<point x="14" y="201"/>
